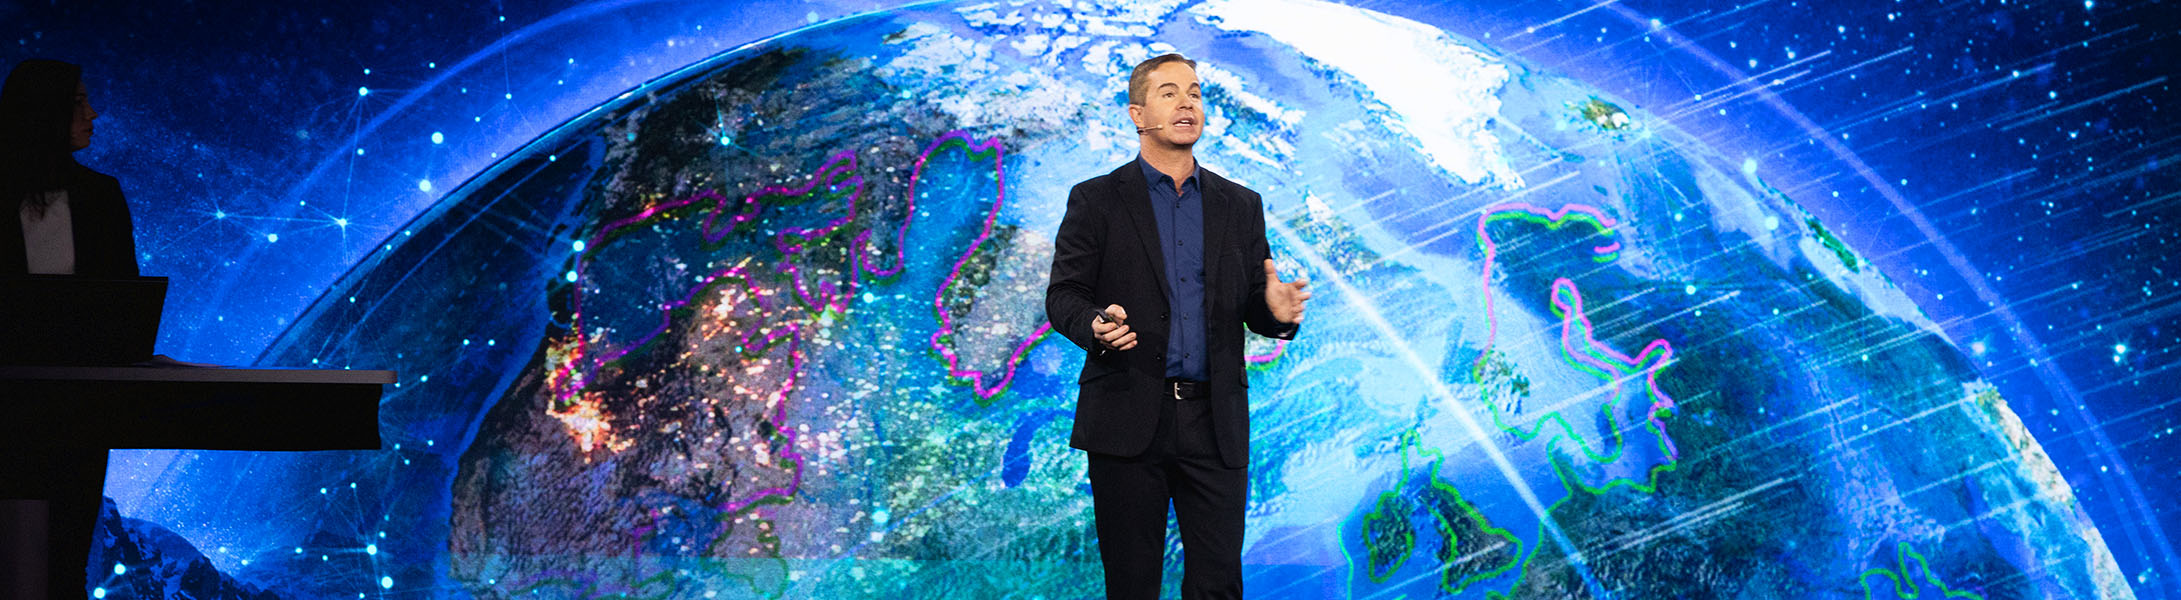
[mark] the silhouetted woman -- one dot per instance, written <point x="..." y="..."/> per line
<point x="56" y="218"/>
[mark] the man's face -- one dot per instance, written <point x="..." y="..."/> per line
<point x="79" y="130"/>
<point x="1173" y="99"/>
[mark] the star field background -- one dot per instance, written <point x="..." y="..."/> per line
<point x="2012" y="163"/>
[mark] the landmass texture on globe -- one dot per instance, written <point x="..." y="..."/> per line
<point x="772" y="327"/>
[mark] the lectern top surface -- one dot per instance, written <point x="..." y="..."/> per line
<point x="195" y="374"/>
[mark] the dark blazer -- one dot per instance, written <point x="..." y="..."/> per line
<point x="105" y="237"/>
<point x="1108" y="252"/>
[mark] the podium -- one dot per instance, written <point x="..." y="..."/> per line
<point x="63" y="419"/>
<point x="190" y="408"/>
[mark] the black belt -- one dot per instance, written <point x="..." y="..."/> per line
<point x="1183" y="389"/>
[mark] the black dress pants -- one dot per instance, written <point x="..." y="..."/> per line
<point x="1131" y="495"/>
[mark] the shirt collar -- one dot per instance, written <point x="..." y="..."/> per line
<point x="1155" y="178"/>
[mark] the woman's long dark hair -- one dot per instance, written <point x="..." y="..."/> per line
<point x="37" y="111"/>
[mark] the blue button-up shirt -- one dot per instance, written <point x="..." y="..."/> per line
<point x="1181" y="232"/>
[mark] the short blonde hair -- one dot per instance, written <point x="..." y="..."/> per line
<point x="1139" y="79"/>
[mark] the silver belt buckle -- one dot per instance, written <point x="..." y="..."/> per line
<point x="1174" y="387"/>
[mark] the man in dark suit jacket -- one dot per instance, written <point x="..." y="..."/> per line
<point x="1164" y="408"/>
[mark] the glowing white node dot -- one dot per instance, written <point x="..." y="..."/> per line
<point x="99" y="593"/>
<point x="120" y="568"/>
<point x="372" y="549"/>
<point x="578" y="245"/>
<point x="272" y="237"/>
<point x="424" y="185"/>
<point x="386" y="583"/>
<point x="571" y="277"/>
<point x="438" y="138"/>
<point x="363" y="91"/>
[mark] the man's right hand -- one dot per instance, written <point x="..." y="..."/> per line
<point x="1114" y="334"/>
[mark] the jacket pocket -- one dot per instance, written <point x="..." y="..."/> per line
<point x="1093" y="370"/>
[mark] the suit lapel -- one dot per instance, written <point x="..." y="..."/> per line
<point x="1135" y="198"/>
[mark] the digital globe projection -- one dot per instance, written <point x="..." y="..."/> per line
<point x="772" y="326"/>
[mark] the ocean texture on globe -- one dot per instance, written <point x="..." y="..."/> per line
<point x="771" y="327"/>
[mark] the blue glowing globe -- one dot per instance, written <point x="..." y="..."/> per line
<point x="772" y="327"/>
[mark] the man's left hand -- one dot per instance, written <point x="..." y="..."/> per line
<point x="1284" y="298"/>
